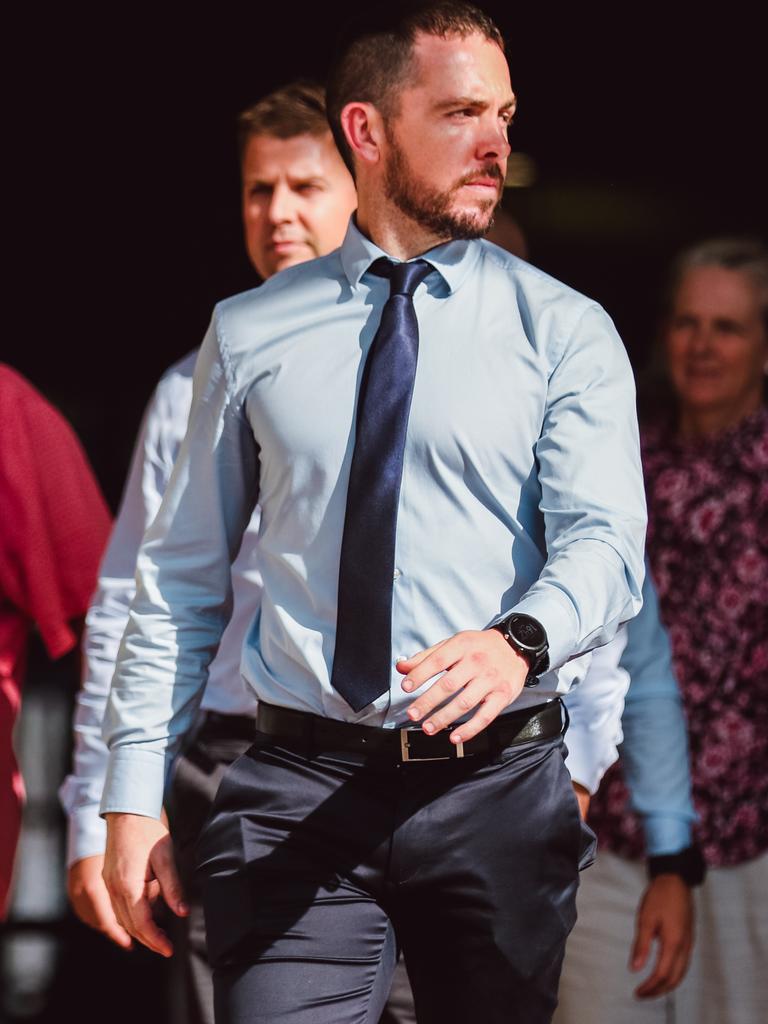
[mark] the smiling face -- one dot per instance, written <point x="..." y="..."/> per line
<point x="297" y="200"/>
<point x="716" y="344"/>
<point x="446" y="149"/>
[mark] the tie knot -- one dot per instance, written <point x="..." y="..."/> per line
<point x="404" y="278"/>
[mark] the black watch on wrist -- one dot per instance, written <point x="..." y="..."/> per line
<point x="529" y="638"/>
<point x="688" y="864"/>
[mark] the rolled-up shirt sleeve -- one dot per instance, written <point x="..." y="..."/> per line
<point x="183" y="589"/>
<point x="592" y="496"/>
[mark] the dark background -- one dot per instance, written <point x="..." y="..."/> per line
<point x="647" y="131"/>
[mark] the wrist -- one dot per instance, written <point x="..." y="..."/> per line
<point x="119" y="823"/>
<point x="688" y="865"/>
<point x="528" y="638"/>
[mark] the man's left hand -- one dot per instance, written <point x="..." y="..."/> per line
<point x="480" y="669"/>
<point x="665" y="914"/>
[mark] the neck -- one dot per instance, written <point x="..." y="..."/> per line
<point x="388" y="227"/>
<point x="712" y="421"/>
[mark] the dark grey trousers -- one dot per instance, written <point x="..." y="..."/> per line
<point x="197" y="773"/>
<point x="317" y="869"/>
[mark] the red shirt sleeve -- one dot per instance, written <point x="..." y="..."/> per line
<point x="54" y="522"/>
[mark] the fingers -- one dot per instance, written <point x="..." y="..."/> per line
<point x="162" y="867"/>
<point x="133" y="843"/>
<point x="680" y="966"/>
<point x="668" y="972"/>
<point x="105" y="920"/>
<point x="429" y="662"/>
<point x="480" y="668"/>
<point x="491" y="708"/>
<point x="656" y="982"/>
<point x="665" y="913"/>
<point x="405" y="665"/>
<point x="134" y="911"/>
<point x="448" y="684"/>
<point x="477" y="693"/>
<point x="641" y="947"/>
<point x="135" y="915"/>
<point x="90" y="899"/>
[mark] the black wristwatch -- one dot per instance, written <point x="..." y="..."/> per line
<point x="529" y="638"/>
<point x="688" y="864"/>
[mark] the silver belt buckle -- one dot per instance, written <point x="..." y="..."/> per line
<point x="405" y="750"/>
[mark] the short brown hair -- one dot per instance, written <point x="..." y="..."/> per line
<point x="374" y="55"/>
<point x="295" y="109"/>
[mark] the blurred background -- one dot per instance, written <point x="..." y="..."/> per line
<point x="637" y="133"/>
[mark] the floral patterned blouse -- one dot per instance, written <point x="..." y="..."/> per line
<point x="708" y="548"/>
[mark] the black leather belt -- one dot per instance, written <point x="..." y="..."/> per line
<point x="218" y="726"/>
<point x="318" y="735"/>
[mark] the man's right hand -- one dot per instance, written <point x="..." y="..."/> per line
<point x="138" y="870"/>
<point x="90" y="899"/>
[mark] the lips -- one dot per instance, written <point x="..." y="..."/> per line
<point x="703" y="372"/>
<point x="484" y="183"/>
<point x="286" y="244"/>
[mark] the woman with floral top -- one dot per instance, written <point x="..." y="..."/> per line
<point x="706" y="471"/>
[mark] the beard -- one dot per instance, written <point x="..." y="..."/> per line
<point x="432" y="209"/>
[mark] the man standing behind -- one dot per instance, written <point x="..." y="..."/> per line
<point x="297" y="197"/>
<point x="439" y="446"/>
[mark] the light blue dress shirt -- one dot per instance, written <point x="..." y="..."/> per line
<point x="522" y="490"/>
<point x="648" y="731"/>
<point x="654" y="754"/>
<point x="162" y="431"/>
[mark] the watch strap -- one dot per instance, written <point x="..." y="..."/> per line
<point x="688" y="864"/>
<point x="538" y="660"/>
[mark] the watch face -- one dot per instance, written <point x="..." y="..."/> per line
<point x="527" y="631"/>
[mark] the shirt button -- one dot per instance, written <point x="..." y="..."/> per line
<point x="396" y="575"/>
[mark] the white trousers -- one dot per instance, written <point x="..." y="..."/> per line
<point x="727" y="982"/>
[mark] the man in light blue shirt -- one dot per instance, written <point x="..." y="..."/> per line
<point x="521" y="502"/>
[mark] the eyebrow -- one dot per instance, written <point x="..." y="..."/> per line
<point x="308" y="179"/>
<point x="473" y="101"/>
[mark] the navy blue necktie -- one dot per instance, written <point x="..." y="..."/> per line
<point x="362" y="662"/>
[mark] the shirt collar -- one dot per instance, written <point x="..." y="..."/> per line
<point x="452" y="260"/>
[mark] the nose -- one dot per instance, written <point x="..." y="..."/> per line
<point x="281" y="205"/>
<point x="700" y="343"/>
<point x="493" y="143"/>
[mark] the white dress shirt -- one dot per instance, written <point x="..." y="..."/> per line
<point x="521" y="490"/>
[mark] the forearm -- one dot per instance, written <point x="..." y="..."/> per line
<point x="592" y="494"/>
<point x="581" y="598"/>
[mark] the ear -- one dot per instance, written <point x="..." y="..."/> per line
<point x="364" y="131"/>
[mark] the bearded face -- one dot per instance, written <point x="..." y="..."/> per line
<point x="446" y="212"/>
